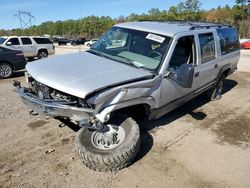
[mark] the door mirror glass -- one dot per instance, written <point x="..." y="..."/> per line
<point x="183" y="75"/>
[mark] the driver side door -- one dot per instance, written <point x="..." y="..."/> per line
<point x="172" y="93"/>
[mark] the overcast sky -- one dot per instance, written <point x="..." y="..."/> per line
<point x="53" y="10"/>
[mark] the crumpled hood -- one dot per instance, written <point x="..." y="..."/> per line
<point x="81" y="73"/>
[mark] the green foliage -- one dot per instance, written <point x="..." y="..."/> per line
<point x="93" y="26"/>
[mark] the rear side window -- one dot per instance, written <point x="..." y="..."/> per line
<point x="26" y="41"/>
<point x="207" y="47"/>
<point x="42" y="40"/>
<point x="229" y="40"/>
<point x="14" y="41"/>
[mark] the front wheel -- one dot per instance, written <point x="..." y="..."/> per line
<point x="111" y="149"/>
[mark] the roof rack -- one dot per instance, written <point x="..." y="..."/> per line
<point x="194" y="25"/>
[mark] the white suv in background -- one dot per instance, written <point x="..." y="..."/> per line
<point x="32" y="47"/>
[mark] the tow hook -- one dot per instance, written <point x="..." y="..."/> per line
<point x="92" y="124"/>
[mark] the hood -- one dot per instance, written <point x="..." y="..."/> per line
<point x="82" y="73"/>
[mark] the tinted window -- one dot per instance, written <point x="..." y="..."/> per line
<point x="14" y="41"/>
<point x="229" y="40"/>
<point x="207" y="47"/>
<point x="42" y="40"/>
<point x="26" y="41"/>
<point x="2" y="40"/>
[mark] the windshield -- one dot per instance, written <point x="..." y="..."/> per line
<point x="136" y="48"/>
<point x="2" y="40"/>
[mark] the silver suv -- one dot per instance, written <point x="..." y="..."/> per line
<point x="138" y="69"/>
<point x="32" y="47"/>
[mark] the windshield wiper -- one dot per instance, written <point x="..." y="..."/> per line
<point x="131" y="62"/>
<point x="96" y="52"/>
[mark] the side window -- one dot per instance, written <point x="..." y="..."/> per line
<point x="207" y="47"/>
<point x="42" y="40"/>
<point x="184" y="52"/>
<point x="14" y="41"/>
<point x="229" y="40"/>
<point x="26" y="41"/>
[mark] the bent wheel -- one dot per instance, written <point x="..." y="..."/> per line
<point x="111" y="149"/>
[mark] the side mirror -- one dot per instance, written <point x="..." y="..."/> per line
<point x="184" y="75"/>
<point x="8" y="43"/>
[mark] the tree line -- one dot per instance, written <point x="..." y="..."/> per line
<point x="189" y="10"/>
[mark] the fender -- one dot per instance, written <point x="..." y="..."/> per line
<point x="222" y="70"/>
<point x="104" y="114"/>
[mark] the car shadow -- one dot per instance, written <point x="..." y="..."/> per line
<point x="188" y="108"/>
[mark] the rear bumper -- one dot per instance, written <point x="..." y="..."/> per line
<point x="19" y="64"/>
<point x="53" y="108"/>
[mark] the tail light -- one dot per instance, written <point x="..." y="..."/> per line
<point x="20" y="54"/>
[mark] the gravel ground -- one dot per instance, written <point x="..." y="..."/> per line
<point x="201" y="144"/>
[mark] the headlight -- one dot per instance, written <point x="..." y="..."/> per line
<point x="28" y="78"/>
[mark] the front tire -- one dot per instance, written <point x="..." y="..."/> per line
<point x="6" y="70"/>
<point x="110" y="150"/>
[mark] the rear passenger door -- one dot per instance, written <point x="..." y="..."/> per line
<point x="28" y="48"/>
<point x="207" y="69"/>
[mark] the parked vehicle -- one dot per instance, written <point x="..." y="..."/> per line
<point x="245" y="44"/>
<point x="154" y="68"/>
<point x="91" y="42"/>
<point x="63" y="41"/>
<point x="10" y="61"/>
<point x="32" y="47"/>
<point x="79" y="41"/>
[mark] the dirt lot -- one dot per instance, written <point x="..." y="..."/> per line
<point x="198" y="145"/>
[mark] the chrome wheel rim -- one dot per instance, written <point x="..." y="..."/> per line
<point x="43" y="54"/>
<point x="109" y="139"/>
<point x="5" y="71"/>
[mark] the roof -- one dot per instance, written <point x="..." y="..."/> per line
<point x="169" y="28"/>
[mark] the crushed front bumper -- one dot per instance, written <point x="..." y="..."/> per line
<point x="53" y="108"/>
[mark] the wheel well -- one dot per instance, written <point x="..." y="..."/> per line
<point x="7" y="63"/>
<point x="137" y="112"/>
<point x="226" y="72"/>
<point x="43" y="49"/>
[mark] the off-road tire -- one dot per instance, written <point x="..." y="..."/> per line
<point x="113" y="159"/>
<point x="6" y="70"/>
<point x="216" y="91"/>
<point x="42" y="54"/>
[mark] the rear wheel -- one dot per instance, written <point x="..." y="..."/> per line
<point x="6" y="70"/>
<point x="111" y="149"/>
<point x="42" y="54"/>
<point x="216" y="92"/>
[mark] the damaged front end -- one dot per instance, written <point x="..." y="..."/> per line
<point x="50" y="102"/>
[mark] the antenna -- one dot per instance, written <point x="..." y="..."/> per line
<point x="25" y="19"/>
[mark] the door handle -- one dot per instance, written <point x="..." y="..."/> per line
<point x="215" y="66"/>
<point x="196" y="74"/>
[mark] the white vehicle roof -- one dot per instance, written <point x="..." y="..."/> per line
<point x="165" y="28"/>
